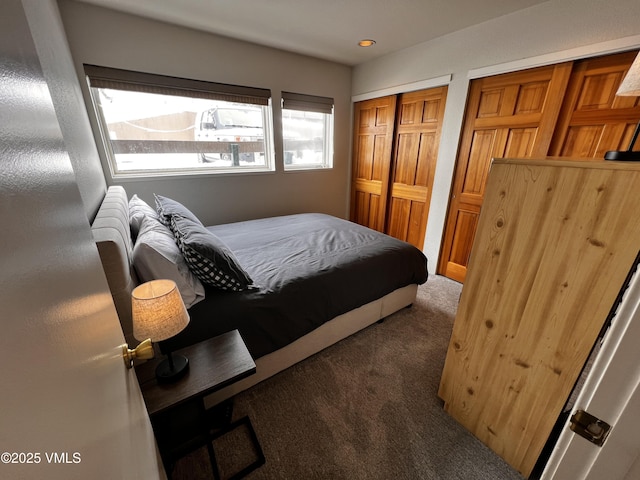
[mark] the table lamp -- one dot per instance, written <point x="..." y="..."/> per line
<point x="159" y="313"/>
<point x="629" y="87"/>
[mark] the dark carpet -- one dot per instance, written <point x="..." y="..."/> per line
<point x="365" y="408"/>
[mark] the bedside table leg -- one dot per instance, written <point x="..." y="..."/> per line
<point x="204" y="414"/>
<point x="212" y="459"/>
<point x="260" y="460"/>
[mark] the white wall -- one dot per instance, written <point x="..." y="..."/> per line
<point x="547" y="33"/>
<point x="57" y="66"/>
<point x="108" y="38"/>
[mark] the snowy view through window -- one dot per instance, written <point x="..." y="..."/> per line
<point x="149" y="132"/>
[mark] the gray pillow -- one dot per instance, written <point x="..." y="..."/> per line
<point x="156" y="255"/>
<point x="167" y="208"/>
<point x="208" y="256"/>
<point x="138" y="209"/>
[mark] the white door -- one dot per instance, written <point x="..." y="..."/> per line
<point x="612" y="394"/>
<point x="68" y="406"/>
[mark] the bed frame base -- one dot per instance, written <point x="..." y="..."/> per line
<point x="322" y="337"/>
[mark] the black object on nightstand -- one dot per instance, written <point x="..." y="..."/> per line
<point x="180" y="420"/>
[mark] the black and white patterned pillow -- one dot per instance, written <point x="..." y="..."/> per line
<point x="168" y="208"/>
<point x="208" y="257"/>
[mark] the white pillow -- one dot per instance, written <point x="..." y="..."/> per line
<point x="156" y="255"/>
<point x="138" y="209"/>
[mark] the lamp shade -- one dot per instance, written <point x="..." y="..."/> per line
<point x="630" y="86"/>
<point x="158" y="310"/>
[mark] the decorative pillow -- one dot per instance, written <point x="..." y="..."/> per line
<point x="167" y="208"/>
<point x="208" y="256"/>
<point x="156" y="255"/>
<point x="138" y="209"/>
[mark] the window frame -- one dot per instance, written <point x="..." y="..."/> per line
<point x="126" y="80"/>
<point x="313" y="104"/>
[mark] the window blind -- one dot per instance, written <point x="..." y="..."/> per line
<point x="113" y="78"/>
<point x="307" y="103"/>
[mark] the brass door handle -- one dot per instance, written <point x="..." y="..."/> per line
<point x="144" y="351"/>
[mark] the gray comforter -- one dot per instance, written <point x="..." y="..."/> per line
<point x="307" y="269"/>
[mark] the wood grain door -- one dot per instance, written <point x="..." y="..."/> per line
<point x="593" y="119"/>
<point x="417" y="138"/>
<point x="539" y="290"/>
<point x="509" y="115"/>
<point x="372" y="145"/>
<point x="395" y="149"/>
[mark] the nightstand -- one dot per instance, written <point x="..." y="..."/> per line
<point x="178" y="414"/>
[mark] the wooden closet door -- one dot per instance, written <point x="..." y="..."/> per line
<point x="417" y="138"/>
<point x="593" y="119"/>
<point x="373" y="140"/>
<point x="509" y="115"/>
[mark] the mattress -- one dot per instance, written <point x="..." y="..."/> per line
<point x="306" y="270"/>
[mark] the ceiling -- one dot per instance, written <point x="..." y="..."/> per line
<point x="327" y="29"/>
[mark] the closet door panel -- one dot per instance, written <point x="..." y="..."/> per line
<point x="520" y="142"/>
<point x="417" y="138"/>
<point x="372" y="144"/>
<point x="509" y="115"/>
<point x="407" y="146"/>
<point x="367" y="207"/>
<point x="466" y="222"/>
<point x="406" y="216"/>
<point x="474" y="175"/>
<point x="395" y="145"/>
<point x="593" y="119"/>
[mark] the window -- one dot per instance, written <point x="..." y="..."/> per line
<point x="307" y="131"/>
<point x="157" y="125"/>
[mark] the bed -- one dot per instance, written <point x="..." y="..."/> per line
<point x="311" y="280"/>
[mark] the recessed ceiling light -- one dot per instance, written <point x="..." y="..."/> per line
<point x="366" y="43"/>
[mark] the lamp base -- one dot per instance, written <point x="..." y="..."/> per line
<point x="622" y="156"/>
<point x="172" y="368"/>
